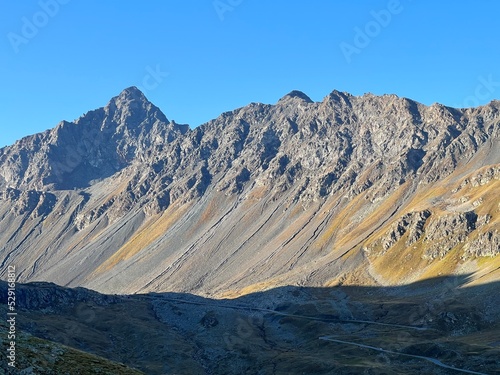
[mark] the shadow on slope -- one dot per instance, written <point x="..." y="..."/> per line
<point x="286" y="330"/>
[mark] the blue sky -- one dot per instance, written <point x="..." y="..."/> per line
<point x="197" y="59"/>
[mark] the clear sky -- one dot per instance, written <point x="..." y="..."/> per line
<point x="197" y="59"/>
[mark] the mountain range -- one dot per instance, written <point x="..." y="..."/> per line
<point x="261" y="242"/>
<point x="370" y="190"/>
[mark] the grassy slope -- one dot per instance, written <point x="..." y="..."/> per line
<point x="51" y="358"/>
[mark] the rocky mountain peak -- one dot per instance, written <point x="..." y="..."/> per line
<point x="339" y="97"/>
<point x="132" y="108"/>
<point x="295" y="94"/>
<point x="132" y="92"/>
<point x="350" y="171"/>
<point x="95" y="146"/>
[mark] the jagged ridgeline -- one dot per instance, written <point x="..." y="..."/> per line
<point x="373" y="190"/>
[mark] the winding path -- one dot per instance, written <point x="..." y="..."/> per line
<point x="270" y="311"/>
<point x="433" y="360"/>
<point x="329" y="338"/>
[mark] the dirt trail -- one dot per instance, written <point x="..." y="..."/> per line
<point x="432" y="360"/>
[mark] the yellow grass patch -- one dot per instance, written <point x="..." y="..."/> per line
<point x="147" y="234"/>
<point x="370" y="222"/>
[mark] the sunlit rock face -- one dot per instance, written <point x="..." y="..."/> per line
<point x="351" y="190"/>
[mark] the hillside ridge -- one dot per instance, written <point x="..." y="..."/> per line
<point x="375" y="190"/>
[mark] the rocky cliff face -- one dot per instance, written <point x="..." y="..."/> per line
<point x="348" y="190"/>
<point x="102" y="142"/>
